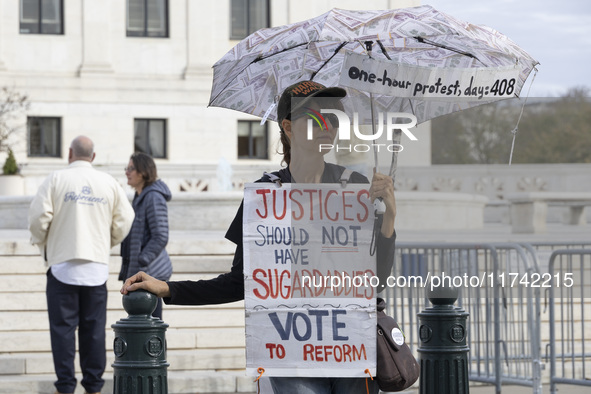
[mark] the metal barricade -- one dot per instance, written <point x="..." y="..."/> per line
<point x="559" y="245"/>
<point x="543" y="250"/>
<point x="519" y="316"/>
<point x="503" y="325"/>
<point x="569" y="274"/>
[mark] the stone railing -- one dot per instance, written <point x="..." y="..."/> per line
<point x="494" y="182"/>
<point x="529" y="210"/>
<point x="216" y="210"/>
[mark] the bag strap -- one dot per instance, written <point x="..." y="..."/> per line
<point x="345" y="177"/>
<point x="380" y="304"/>
<point x="274" y="178"/>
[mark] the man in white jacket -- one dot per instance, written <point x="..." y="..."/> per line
<point x="77" y="216"/>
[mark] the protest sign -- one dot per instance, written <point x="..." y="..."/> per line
<point x="310" y="305"/>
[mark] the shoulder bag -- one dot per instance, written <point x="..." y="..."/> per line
<point x="397" y="368"/>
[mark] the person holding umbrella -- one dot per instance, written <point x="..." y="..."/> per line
<point x="305" y="164"/>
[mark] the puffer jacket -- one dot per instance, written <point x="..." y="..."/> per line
<point x="144" y="247"/>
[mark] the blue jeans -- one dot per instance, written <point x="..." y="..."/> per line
<point x="303" y="385"/>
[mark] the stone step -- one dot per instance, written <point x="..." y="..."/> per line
<point x="189" y="264"/>
<point x="24" y="342"/>
<point x="179" y="382"/>
<point x="175" y="317"/>
<point x="23" y="265"/>
<point x="36" y="301"/>
<point x="180" y="360"/>
<point x="27" y="283"/>
<point x="17" y="243"/>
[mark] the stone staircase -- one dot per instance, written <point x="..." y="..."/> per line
<point x="205" y="344"/>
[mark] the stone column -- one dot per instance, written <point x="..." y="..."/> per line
<point x="201" y="39"/>
<point x="2" y="66"/>
<point x="96" y="40"/>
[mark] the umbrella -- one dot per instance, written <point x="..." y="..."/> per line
<point x="414" y="60"/>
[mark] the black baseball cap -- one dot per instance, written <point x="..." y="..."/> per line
<point x="303" y="89"/>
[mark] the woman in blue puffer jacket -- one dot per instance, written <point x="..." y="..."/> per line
<point x="144" y="247"/>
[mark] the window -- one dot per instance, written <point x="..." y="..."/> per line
<point x="248" y="16"/>
<point x="252" y="140"/>
<point x="147" y="18"/>
<point x="150" y="137"/>
<point x="42" y="17"/>
<point x="44" y="137"/>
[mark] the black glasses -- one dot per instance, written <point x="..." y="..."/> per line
<point x="332" y="118"/>
<point x="129" y="169"/>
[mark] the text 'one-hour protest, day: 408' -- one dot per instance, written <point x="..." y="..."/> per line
<point x="500" y="87"/>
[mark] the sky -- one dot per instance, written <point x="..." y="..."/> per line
<point x="557" y="33"/>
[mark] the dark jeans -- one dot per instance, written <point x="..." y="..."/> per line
<point x="84" y="307"/>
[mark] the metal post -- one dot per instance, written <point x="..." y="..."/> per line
<point x="140" y="348"/>
<point x="443" y="351"/>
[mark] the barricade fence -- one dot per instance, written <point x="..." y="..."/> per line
<point x="503" y="327"/>
<point x="521" y="298"/>
<point x="543" y="250"/>
<point x="569" y="311"/>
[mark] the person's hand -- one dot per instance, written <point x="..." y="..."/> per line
<point x="141" y="280"/>
<point x="382" y="187"/>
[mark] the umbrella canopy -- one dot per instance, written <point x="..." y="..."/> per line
<point x="423" y="62"/>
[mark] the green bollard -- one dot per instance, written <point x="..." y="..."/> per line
<point x="140" y="348"/>
<point x="443" y="352"/>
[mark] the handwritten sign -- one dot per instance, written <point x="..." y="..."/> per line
<point x="390" y="78"/>
<point x="310" y="305"/>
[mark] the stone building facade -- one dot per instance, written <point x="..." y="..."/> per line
<point x="100" y="69"/>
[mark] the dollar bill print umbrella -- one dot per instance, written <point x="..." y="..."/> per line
<point x="413" y="60"/>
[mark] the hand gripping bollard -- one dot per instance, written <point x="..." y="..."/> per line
<point x="140" y="348"/>
<point x="443" y="352"/>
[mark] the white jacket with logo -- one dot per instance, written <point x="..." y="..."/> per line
<point x="79" y="213"/>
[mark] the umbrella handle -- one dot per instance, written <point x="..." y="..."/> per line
<point x="373" y="131"/>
